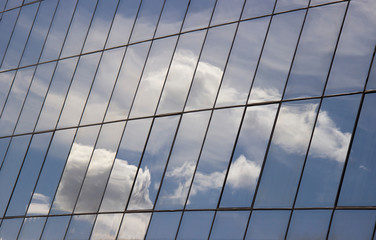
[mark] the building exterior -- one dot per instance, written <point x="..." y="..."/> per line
<point x="187" y="119"/>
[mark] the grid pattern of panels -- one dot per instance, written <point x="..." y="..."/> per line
<point x="187" y="119"/>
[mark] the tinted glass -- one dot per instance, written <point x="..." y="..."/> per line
<point x="229" y="225"/>
<point x="163" y="225"/>
<point x="195" y="225"/>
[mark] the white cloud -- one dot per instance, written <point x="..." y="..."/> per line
<point x="243" y="173"/>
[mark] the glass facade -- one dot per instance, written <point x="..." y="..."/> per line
<point x="187" y="119"/>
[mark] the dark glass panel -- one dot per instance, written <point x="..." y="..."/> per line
<point x="80" y="227"/>
<point x="198" y="15"/>
<point x="241" y="66"/>
<point x="75" y="170"/>
<point x="125" y="165"/>
<point x="147" y="19"/>
<point x="276" y="58"/>
<point x="32" y="228"/>
<point x="16" y="98"/>
<point x="210" y="68"/>
<point x="328" y="151"/>
<point x="38" y="33"/>
<point x="163" y="225"/>
<point x="55" y="228"/>
<point x="229" y="225"/>
<point x="127" y="82"/>
<point x="183" y="159"/>
<point x="352" y="224"/>
<point x="79" y="90"/>
<point x="227" y="11"/>
<point x="181" y="72"/>
<point x="172" y="17"/>
<point x="9" y="228"/>
<point x="11" y="167"/>
<point x="102" y="87"/>
<point x="56" y="35"/>
<point x="79" y="28"/>
<point x="99" y="169"/>
<point x="314" y="54"/>
<point x="123" y="23"/>
<point x="56" y="94"/>
<point x="248" y="156"/>
<point x="35" y="97"/>
<point x="28" y="175"/>
<point x="256" y="8"/>
<point x="153" y="163"/>
<point x="7" y="23"/>
<point x="100" y="25"/>
<point x="50" y="174"/>
<point x="153" y="77"/>
<point x="309" y="224"/>
<point x="285" y="5"/>
<point x="214" y="159"/>
<point x="19" y="37"/>
<point x="357" y="189"/>
<point x="195" y="225"/>
<point x="106" y="226"/>
<point x="286" y="154"/>
<point x="134" y="226"/>
<point x="266" y="225"/>
<point x="355" y="49"/>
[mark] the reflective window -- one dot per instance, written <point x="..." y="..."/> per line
<point x="265" y="225"/>
<point x="172" y="17"/>
<point x="229" y="225"/>
<point x="355" y="49"/>
<point x="4" y="144"/>
<point x="286" y="154"/>
<point x="198" y="15"/>
<point x="314" y="53"/>
<point x="210" y="68"/>
<point x="134" y="226"/>
<point x="195" y="225"/>
<point x="360" y="172"/>
<point x="285" y="5"/>
<point x="10" y="227"/>
<point x="125" y="165"/>
<point x="163" y="225"/>
<point x="106" y="226"/>
<point x="352" y="224"/>
<point x="6" y="79"/>
<point x="153" y="163"/>
<point x="7" y="23"/>
<point x="55" y="228"/>
<point x="309" y="224"/>
<point x="372" y="76"/>
<point x="32" y="228"/>
<point x="214" y="159"/>
<point x="227" y="11"/>
<point x="80" y="227"/>
<point x="328" y="151"/>
<point x="256" y="8"/>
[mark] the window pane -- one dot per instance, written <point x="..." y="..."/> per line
<point x="7" y="23"/>
<point x="153" y="77"/>
<point x="195" y="225"/>
<point x="256" y="8"/>
<point x="214" y="159"/>
<point x="172" y="17"/>
<point x="50" y="174"/>
<point x="55" y="228"/>
<point x="372" y="76"/>
<point x="9" y="228"/>
<point x="106" y="226"/>
<point x="80" y="227"/>
<point x="248" y="156"/>
<point x="227" y="11"/>
<point x="276" y="58"/>
<point x="5" y="86"/>
<point x="198" y="15"/>
<point x="153" y="163"/>
<point x="286" y="154"/>
<point x="328" y="151"/>
<point x="229" y="225"/>
<point x="127" y="82"/>
<point x="181" y="72"/>
<point x="125" y="165"/>
<point x="241" y="66"/>
<point x="285" y="5"/>
<point x="314" y="53"/>
<point x="355" y="49"/>
<point x="29" y="173"/>
<point x="56" y="94"/>
<point x="265" y="225"/>
<point x="75" y="169"/>
<point x="4" y="144"/>
<point x="352" y="224"/>
<point x="102" y="87"/>
<point x="361" y="168"/>
<point x="32" y="228"/>
<point x="99" y="169"/>
<point x="210" y="68"/>
<point x="163" y="225"/>
<point x="183" y="159"/>
<point x="134" y="226"/>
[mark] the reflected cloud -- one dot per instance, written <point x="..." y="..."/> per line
<point x="39" y="205"/>
<point x="244" y="173"/>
